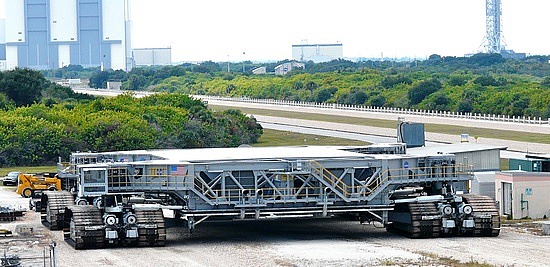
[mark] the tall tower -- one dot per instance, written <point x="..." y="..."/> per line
<point x="493" y="13"/>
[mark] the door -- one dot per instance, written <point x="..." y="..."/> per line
<point x="506" y="198"/>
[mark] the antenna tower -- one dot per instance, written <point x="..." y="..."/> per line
<point x="493" y="12"/>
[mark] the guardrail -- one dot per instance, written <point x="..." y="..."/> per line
<point x="427" y="113"/>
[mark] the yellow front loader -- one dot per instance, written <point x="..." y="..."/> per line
<point x="29" y="183"/>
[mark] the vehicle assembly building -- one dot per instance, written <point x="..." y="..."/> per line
<point x="50" y="34"/>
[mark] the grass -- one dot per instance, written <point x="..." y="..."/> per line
<point x="284" y="138"/>
<point x="447" y="261"/>
<point x="4" y="171"/>
<point x="434" y="128"/>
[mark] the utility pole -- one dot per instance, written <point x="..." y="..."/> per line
<point x="243" y="61"/>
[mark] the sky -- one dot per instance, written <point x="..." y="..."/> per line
<point x="236" y="30"/>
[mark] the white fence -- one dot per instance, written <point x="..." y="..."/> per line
<point x="432" y="113"/>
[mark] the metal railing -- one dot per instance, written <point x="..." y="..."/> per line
<point x="403" y="111"/>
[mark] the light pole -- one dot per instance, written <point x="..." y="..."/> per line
<point x="243" y="61"/>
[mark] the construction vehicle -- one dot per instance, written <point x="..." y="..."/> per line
<point x="30" y="183"/>
<point x="119" y="197"/>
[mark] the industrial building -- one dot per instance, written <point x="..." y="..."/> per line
<point x="531" y="163"/>
<point x="259" y="70"/>
<point x="317" y="52"/>
<point x="285" y="68"/>
<point x="50" y="34"/>
<point x="523" y="194"/>
<point x="152" y="56"/>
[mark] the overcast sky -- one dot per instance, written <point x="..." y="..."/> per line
<point x="265" y="30"/>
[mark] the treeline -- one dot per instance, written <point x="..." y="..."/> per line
<point x="460" y="91"/>
<point x="483" y="83"/>
<point x="41" y="121"/>
<point x="38" y="134"/>
<point x="22" y="87"/>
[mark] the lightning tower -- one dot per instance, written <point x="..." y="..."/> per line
<point x="493" y="26"/>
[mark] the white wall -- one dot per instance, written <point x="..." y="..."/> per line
<point x="113" y="20"/>
<point x="2" y="31"/>
<point x="152" y="56"/>
<point x="11" y="57"/>
<point x="118" y="57"/>
<point x="15" y="21"/>
<point x="64" y="53"/>
<point x="63" y="21"/>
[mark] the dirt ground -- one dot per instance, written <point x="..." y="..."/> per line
<point x="326" y="242"/>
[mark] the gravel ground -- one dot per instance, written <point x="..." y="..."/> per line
<point x="326" y="242"/>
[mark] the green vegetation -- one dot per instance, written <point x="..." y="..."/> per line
<point x="284" y="138"/>
<point x="23" y="87"/>
<point x="26" y="169"/>
<point x="52" y="122"/>
<point x="483" y="83"/>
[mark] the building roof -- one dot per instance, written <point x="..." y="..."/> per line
<point x="538" y="156"/>
<point x="453" y="148"/>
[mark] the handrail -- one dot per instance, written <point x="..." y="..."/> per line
<point x="322" y="170"/>
<point x="404" y="111"/>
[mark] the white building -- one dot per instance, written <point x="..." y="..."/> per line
<point x="49" y="34"/>
<point x="259" y="70"/>
<point x="285" y="68"/>
<point x="317" y="52"/>
<point x="523" y="194"/>
<point x="152" y="56"/>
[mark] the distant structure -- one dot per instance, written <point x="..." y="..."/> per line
<point x="50" y="34"/>
<point x="259" y="70"/>
<point x="493" y="38"/>
<point x="493" y="11"/>
<point x="152" y="56"/>
<point x="285" y="68"/>
<point x="317" y="52"/>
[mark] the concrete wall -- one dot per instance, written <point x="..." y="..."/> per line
<point x="530" y="193"/>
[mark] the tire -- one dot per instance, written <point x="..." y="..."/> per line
<point x="27" y="192"/>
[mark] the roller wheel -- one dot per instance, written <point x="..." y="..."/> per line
<point x="486" y="215"/>
<point x="84" y="227"/>
<point x="52" y="208"/>
<point x="151" y="231"/>
<point x="415" y="220"/>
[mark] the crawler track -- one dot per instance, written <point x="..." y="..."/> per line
<point x="151" y="229"/>
<point x="415" y="220"/>
<point x="52" y="208"/>
<point x="486" y="215"/>
<point x="84" y="227"/>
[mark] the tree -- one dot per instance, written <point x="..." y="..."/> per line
<point x="325" y="94"/>
<point x="423" y="89"/>
<point x="377" y="101"/>
<point x="546" y="82"/>
<point x="23" y="86"/>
